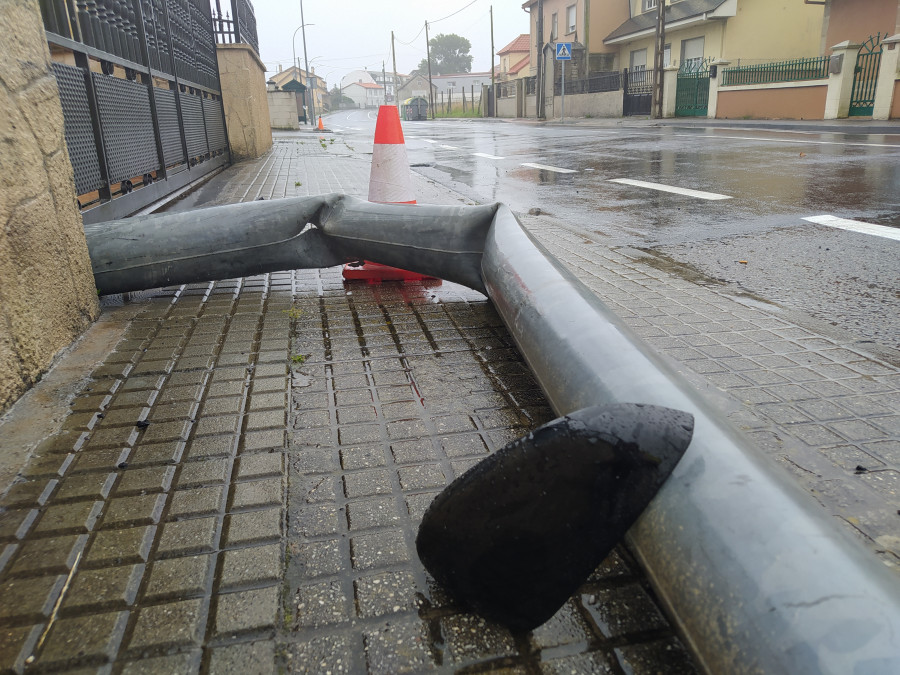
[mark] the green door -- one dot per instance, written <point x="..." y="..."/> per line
<point x="692" y="91"/>
<point x="865" y="77"/>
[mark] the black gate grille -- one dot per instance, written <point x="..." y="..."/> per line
<point x="142" y="103"/>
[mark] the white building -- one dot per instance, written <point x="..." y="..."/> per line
<point x="453" y="85"/>
<point x="364" y="94"/>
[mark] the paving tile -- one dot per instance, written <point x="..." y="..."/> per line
<point x="170" y="625"/>
<point x="29" y="600"/>
<point x="228" y="405"/>
<point x="94" y="637"/>
<point x="75" y="518"/>
<point x="264" y="440"/>
<point x="144" y="480"/>
<point x="106" y="588"/>
<point x="98" y="460"/>
<point x="259" y="465"/>
<point x="48" y="555"/>
<point x="159" y="432"/>
<point x="401" y="648"/>
<point x="223" y="424"/>
<point x="207" y="472"/>
<point x="253" y="527"/>
<point x="48" y="466"/>
<point x="257" y="493"/>
<point x="85" y="486"/>
<point x="367" y="483"/>
<point x="247" y="657"/>
<point x="120" y="547"/>
<point x="133" y="511"/>
<point x="247" y="610"/>
<point x="643" y="657"/>
<point x="179" y="577"/>
<point x="188" y="537"/>
<point x="378" y="549"/>
<point x="254" y="565"/>
<point x="322" y="604"/>
<point x="16" y="523"/>
<point x="421" y="476"/>
<point x="211" y="446"/>
<point x="16" y="644"/>
<point x="468" y="636"/>
<point x="362" y="458"/>
<point x="385" y="593"/>
<point x="623" y="610"/>
<point x="196" y="502"/>
<point x="29" y="493"/>
<point x="155" y="453"/>
<point x="185" y="663"/>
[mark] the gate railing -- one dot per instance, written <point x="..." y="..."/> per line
<point x="595" y="83"/>
<point x="692" y="93"/>
<point x="241" y="28"/>
<point x="865" y="77"/>
<point x="796" y="70"/>
<point x="142" y="106"/>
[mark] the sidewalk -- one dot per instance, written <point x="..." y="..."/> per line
<point x="238" y="487"/>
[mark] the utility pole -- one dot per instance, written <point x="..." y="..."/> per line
<point x="396" y="82"/>
<point x="312" y="101"/>
<point x="428" y="57"/>
<point x="540" y="61"/>
<point x="493" y="83"/>
<point x="656" y="101"/>
<point x="384" y="81"/>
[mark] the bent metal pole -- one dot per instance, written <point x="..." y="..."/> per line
<point x="757" y="575"/>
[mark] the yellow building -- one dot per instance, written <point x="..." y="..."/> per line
<point x="316" y="84"/>
<point x="739" y="31"/>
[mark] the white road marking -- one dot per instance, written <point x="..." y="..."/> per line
<point x="448" y="147"/>
<point x="486" y="156"/>
<point x="856" y="226"/>
<point x="428" y="140"/>
<point x="548" y="168"/>
<point x="699" y="194"/>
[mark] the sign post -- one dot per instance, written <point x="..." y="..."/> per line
<point x="563" y="53"/>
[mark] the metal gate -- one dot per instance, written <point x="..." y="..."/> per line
<point x="865" y="77"/>
<point x="637" y="88"/>
<point x="692" y="91"/>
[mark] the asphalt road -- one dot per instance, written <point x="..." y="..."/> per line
<point x="717" y="205"/>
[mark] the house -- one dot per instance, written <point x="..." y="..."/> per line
<point x="582" y="22"/>
<point x="317" y="87"/>
<point x="515" y="57"/>
<point x="380" y="77"/>
<point x="857" y="20"/>
<point x="698" y="31"/>
<point x="417" y="85"/>
<point x="364" y="94"/>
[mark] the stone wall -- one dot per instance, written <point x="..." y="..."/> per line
<point x="47" y="293"/>
<point x="283" y="110"/>
<point x="243" y="79"/>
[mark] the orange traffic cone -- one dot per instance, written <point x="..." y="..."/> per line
<point x="321" y="126"/>
<point x="389" y="183"/>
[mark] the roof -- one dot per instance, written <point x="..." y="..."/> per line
<point x="675" y="12"/>
<point x="520" y="65"/>
<point x="292" y="73"/>
<point x="365" y="85"/>
<point x="487" y="73"/>
<point x="520" y="44"/>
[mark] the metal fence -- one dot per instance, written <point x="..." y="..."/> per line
<point x="139" y="86"/>
<point x="506" y="89"/>
<point x="241" y="28"/>
<point x="797" y="70"/>
<point x="596" y="83"/>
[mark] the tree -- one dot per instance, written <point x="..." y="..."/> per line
<point x="449" y="55"/>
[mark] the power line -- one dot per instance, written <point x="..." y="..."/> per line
<point x="456" y="12"/>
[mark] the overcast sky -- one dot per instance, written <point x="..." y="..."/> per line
<point x="353" y="34"/>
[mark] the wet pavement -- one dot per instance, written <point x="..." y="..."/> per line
<point x="238" y="487"/>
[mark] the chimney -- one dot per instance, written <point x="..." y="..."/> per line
<point x="279" y="67"/>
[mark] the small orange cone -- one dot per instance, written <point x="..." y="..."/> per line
<point x="389" y="183"/>
<point x="321" y="126"/>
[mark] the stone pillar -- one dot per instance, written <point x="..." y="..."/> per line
<point x="713" y="104"/>
<point x="840" y="80"/>
<point x="243" y="79"/>
<point x="47" y="292"/>
<point x="887" y="75"/>
<point x="670" y="85"/>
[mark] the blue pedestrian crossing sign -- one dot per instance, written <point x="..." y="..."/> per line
<point x="563" y="51"/>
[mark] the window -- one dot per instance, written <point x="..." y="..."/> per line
<point x="639" y="59"/>
<point x="692" y="53"/>
<point x="667" y="55"/>
<point x="570" y="19"/>
<point x="649" y="4"/>
<point x="554" y="27"/>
